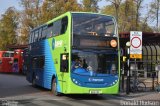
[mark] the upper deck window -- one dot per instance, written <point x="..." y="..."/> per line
<point x="8" y="54"/>
<point x="93" y="24"/>
<point x="44" y="32"/>
<point x="30" y="38"/>
<point x="58" y="27"/>
<point x="36" y="36"/>
<point x="55" y="28"/>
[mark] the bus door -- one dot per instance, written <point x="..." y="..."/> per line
<point x="6" y="62"/>
<point x="18" y="60"/>
<point x="64" y="68"/>
<point x="1" y="64"/>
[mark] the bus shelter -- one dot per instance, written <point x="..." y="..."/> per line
<point x="146" y="67"/>
<point x="13" y="47"/>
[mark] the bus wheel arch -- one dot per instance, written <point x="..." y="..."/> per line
<point x="33" y="80"/>
<point x="54" y="86"/>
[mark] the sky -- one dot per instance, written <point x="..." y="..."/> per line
<point x="4" y="4"/>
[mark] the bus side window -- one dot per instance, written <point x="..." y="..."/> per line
<point x="34" y="62"/>
<point x="33" y="34"/>
<point x="36" y="36"/>
<point x="30" y="38"/>
<point x="57" y="28"/>
<point x="40" y="33"/>
<point x="38" y="62"/>
<point x="44" y="33"/>
<point x="64" y="25"/>
<point x="41" y="62"/>
<point x="12" y="54"/>
<point x="50" y="30"/>
<point x="6" y="55"/>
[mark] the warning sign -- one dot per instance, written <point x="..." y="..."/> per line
<point x="136" y="44"/>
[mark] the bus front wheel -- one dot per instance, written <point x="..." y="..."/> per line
<point x="54" y="88"/>
<point x="34" y="81"/>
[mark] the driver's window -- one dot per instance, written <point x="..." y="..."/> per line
<point x="76" y="62"/>
<point x="109" y="26"/>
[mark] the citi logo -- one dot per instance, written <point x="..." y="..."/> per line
<point x="56" y="44"/>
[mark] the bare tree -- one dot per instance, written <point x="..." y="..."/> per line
<point x="158" y="10"/>
<point x="116" y="4"/>
<point x="155" y="12"/>
<point x="90" y="5"/>
<point x="126" y="12"/>
<point x="138" y="7"/>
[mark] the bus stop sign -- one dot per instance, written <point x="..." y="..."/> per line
<point x="136" y="44"/>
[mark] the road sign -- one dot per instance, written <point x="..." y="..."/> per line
<point x="136" y="44"/>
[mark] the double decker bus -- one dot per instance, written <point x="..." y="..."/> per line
<point x="18" y="61"/>
<point x="25" y="61"/>
<point x="75" y="53"/>
<point x="6" y="61"/>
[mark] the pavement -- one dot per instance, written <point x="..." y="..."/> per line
<point x="14" y="89"/>
<point x="152" y="95"/>
<point x="149" y="94"/>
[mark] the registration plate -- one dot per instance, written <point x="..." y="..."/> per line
<point x="95" y="91"/>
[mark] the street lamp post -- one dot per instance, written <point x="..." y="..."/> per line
<point x="128" y="68"/>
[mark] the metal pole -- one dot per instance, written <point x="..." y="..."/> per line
<point x="147" y="59"/>
<point x="122" y="76"/>
<point x="128" y="72"/>
<point x="151" y="66"/>
<point x="154" y="45"/>
<point x="135" y="74"/>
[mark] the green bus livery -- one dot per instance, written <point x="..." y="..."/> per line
<point x="75" y="53"/>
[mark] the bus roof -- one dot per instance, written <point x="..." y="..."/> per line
<point x="63" y="15"/>
<point x="59" y="17"/>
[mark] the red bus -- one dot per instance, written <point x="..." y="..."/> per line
<point x="25" y="60"/>
<point x="18" y="60"/>
<point x="6" y="61"/>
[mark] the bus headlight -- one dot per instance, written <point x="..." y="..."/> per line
<point x="113" y="43"/>
<point x="76" y="81"/>
<point x="113" y="83"/>
<point x="116" y="80"/>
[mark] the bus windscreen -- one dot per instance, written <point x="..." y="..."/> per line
<point x="93" y="24"/>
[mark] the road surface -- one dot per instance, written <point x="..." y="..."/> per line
<point x="15" y="90"/>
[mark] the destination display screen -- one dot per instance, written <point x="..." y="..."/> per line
<point x="94" y="43"/>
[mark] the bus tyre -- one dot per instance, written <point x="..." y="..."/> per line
<point x="34" y="82"/>
<point x="54" y="88"/>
